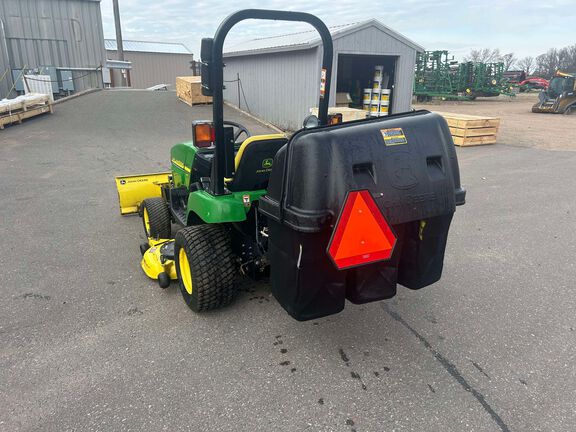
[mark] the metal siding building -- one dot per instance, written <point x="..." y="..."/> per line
<point x="280" y="75"/>
<point x="152" y="62"/>
<point x="61" y="33"/>
<point x="277" y="87"/>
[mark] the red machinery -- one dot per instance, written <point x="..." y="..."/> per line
<point x="534" y="83"/>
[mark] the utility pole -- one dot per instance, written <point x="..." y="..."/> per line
<point x="119" y="45"/>
<point x="238" y="84"/>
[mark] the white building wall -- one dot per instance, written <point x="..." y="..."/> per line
<point x="281" y="87"/>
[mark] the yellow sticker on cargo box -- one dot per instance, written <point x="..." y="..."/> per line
<point x="393" y="136"/>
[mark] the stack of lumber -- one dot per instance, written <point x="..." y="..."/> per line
<point x="348" y="114"/>
<point x="189" y="90"/>
<point x="470" y="130"/>
<point x="23" y="107"/>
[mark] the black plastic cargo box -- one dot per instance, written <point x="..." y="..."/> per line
<point x="408" y="164"/>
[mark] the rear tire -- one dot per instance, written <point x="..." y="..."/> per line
<point x="156" y="218"/>
<point x="205" y="267"/>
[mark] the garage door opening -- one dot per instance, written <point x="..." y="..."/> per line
<point x="356" y="73"/>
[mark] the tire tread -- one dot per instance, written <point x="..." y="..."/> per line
<point x="211" y="263"/>
<point x="159" y="216"/>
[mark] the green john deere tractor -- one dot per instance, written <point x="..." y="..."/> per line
<point x="334" y="212"/>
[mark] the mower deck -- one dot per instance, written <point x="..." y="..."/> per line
<point x="158" y="260"/>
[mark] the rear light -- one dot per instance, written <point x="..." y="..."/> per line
<point x="362" y="235"/>
<point x="204" y="134"/>
<point x="334" y="119"/>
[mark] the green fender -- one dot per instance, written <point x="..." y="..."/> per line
<point x="222" y="208"/>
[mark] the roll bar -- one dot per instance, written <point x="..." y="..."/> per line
<point x="213" y="81"/>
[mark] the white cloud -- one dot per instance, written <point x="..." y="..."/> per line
<point x="513" y="25"/>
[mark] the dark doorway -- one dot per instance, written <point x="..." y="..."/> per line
<point x="356" y="72"/>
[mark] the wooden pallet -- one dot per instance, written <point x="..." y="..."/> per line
<point x="464" y="121"/>
<point x="18" y="117"/>
<point x="32" y="101"/>
<point x="469" y="130"/>
<point x="473" y="132"/>
<point x="474" y="140"/>
<point x="348" y="114"/>
<point x="189" y="90"/>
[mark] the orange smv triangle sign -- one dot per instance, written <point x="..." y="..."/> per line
<point x="362" y="235"/>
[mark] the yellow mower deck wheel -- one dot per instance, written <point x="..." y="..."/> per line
<point x="185" y="272"/>
<point x="146" y="218"/>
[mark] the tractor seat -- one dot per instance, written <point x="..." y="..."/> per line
<point x="254" y="160"/>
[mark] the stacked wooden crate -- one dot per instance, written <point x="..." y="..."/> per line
<point x="24" y="107"/>
<point x="348" y="114"/>
<point x="189" y="90"/>
<point x="470" y="130"/>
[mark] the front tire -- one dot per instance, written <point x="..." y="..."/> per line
<point x="156" y="218"/>
<point x="205" y="267"/>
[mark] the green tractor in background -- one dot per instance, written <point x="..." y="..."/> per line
<point x="335" y="212"/>
<point x="438" y="75"/>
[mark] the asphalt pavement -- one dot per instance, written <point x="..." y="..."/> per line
<point x="88" y="343"/>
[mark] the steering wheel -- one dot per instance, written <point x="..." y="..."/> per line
<point x="238" y="130"/>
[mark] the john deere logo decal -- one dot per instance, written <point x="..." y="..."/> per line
<point x="267" y="163"/>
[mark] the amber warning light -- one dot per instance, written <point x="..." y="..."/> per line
<point x="204" y="135"/>
<point x="362" y="235"/>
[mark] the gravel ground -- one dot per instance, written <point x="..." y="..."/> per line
<point x="89" y="343"/>
<point x="519" y="126"/>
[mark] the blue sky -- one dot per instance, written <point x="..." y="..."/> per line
<point x="524" y="27"/>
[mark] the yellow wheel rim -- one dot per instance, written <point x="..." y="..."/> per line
<point x="185" y="273"/>
<point x="146" y="222"/>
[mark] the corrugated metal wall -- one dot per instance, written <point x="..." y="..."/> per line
<point x="149" y="69"/>
<point x="62" y="33"/>
<point x="281" y="87"/>
<point x="5" y="82"/>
